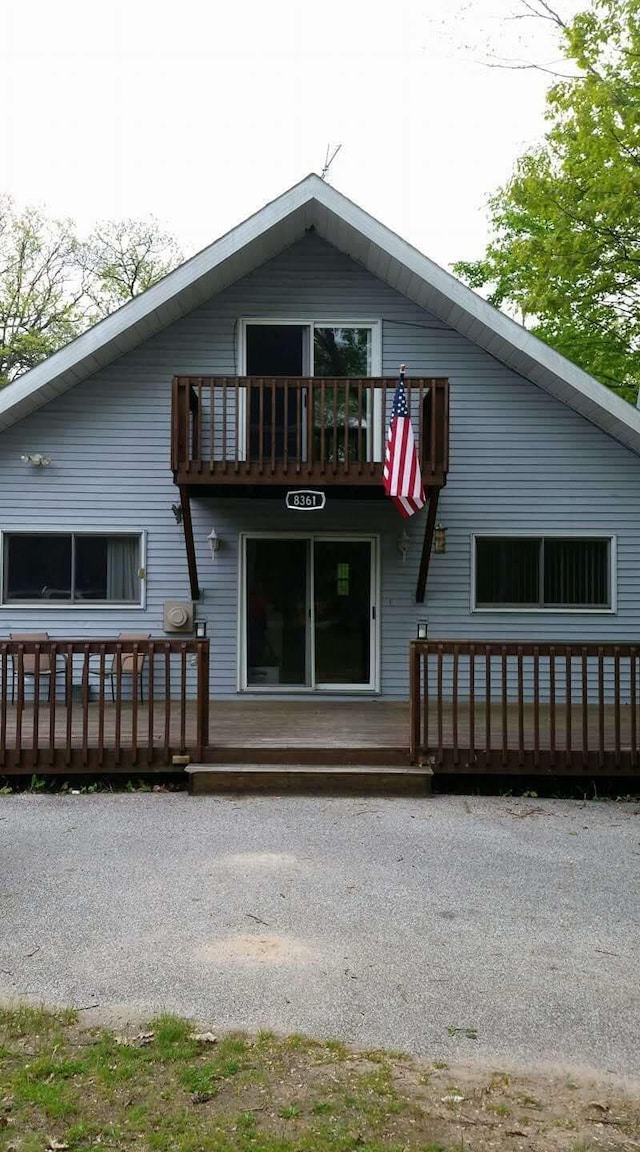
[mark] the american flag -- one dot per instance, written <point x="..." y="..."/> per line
<point x="401" y="474"/>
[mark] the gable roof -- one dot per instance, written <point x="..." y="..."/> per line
<point x="351" y="230"/>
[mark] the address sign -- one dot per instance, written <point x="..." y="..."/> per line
<point x="305" y="500"/>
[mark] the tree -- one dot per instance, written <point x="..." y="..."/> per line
<point x="565" y="249"/>
<point x="53" y="285"/>
<point x="41" y="292"/>
<point x="124" y="258"/>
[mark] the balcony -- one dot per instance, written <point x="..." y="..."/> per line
<point x="230" y="431"/>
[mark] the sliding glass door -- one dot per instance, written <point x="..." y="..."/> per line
<point x="309" y="612"/>
<point x="345" y="421"/>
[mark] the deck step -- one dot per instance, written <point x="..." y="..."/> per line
<point x="292" y="755"/>
<point x="352" y="779"/>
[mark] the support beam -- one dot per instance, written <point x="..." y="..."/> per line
<point x="189" y="543"/>
<point x="433" y="495"/>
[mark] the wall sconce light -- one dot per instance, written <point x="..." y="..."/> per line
<point x="36" y="458"/>
<point x="403" y="544"/>
<point x="201" y="629"/>
<point x="439" y="539"/>
<point x="422" y="629"/>
<point x="177" y="512"/>
<point x="214" y="543"/>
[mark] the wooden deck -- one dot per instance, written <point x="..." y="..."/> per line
<point x="520" y="740"/>
<point x="240" y="731"/>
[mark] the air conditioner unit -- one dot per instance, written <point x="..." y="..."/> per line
<point x="177" y="616"/>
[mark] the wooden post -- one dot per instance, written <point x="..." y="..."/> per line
<point x="414" y="702"/>
<point x="433" y="495"/>
<point x="189" y="543"/>
<point x="202" y="735"/>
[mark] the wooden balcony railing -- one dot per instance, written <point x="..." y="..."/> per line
<point x="238" y="430"/>
<point x="488" y="706"/>
<point x="102" y="705"/>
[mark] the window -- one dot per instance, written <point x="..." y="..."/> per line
<point x="342" y="351"/>
<point x="543" y="572"/>
<point x="342" y="580"/>
<point x="71" y="567"/>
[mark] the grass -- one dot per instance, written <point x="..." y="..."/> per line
<point x="162" y="1089"/>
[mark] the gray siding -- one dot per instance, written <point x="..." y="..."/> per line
<point x="519" y="460"/>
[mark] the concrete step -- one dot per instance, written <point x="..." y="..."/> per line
<point x="351" y="779"/>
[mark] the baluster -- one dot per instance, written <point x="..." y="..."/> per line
<point x="568" y="706"/>
<point x="440" y="652"/>
<point x="454" y="704"/>
<point x="601" y="707"/>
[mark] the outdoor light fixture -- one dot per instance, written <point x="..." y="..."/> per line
<point x="439" y="539"/>
<point x="403" y="544"/>
<point x="422" y="629"/>
<point x="177" y="513"/>
<point x="201" y="629"/>
<point x="214" y="542"/>
<point x="35" y="458"/>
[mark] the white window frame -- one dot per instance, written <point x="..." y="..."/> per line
<point x="538" y="534"/>
<point x="76" y="605"/>
<point x="373" y="687"/>
<point x="311" y="325"/>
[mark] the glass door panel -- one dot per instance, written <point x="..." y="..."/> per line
<point x="276" y="426"/>
<point x="277" y="613"/>
<point x="342" y="611"/>
<point x="341" y="412"/>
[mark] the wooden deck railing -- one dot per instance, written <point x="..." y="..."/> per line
<point x="488" y="706"/>
<point x="102" y="705"/>
<point x="238" y="430"/>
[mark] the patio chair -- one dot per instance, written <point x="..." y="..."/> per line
<point x="130" y="664"/>
<point x="44" y="664"/>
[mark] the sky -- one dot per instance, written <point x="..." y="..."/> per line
<point x="198" y="113"/>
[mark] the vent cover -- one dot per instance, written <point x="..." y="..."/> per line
<point x="177" y="616"/>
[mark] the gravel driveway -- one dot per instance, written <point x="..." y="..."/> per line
<point x="384" y="922"/>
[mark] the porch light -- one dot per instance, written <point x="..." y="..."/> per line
<point x="403" y="544"/>
<point x="439" y="539"/>
<point x="201" y="629"/>
<point x="422" y="629"/>
<point x="36" y="458"/>
<point x="214" y="542"/>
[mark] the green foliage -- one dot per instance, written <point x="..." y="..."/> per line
<point x="122" y="258"/>
<point x="164" y="1088"/>
<point x="565" y="252"/>
<point x="53" y="285"/>
<point x="40" y="292"/>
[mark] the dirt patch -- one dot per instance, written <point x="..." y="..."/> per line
<point x="496" y="1108"/>
<point x="256" y="949"/>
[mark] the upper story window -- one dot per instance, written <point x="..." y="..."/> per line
<point x="71" y="567"/>
<point x="310" y="348"/>
<point x="544" y="572"/>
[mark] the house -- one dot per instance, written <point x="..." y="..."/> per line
<point x="212" y="453"/>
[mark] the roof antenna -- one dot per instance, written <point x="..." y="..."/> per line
<point x="328" y="160"/>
